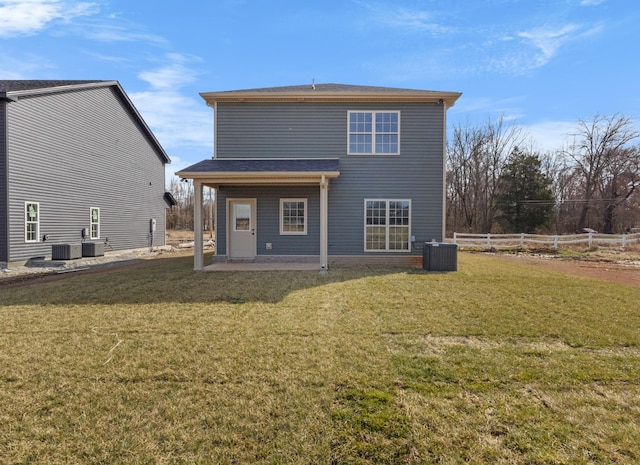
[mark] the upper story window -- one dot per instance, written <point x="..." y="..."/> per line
<point x="374" y="132"/>
<point x="94" y="232"/>
<point x="32" y="222"/>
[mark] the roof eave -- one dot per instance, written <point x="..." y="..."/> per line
<point x="326" y="97"/>
<point x="4" y="97"/>
<point x="258" y="177"/>
<point x="50" y="90"/>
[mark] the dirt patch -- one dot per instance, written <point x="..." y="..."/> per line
<point x="624" y="270"/>
<point x="26" y="275"/>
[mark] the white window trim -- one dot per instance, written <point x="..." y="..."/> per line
<point x="27" y="222"/>
<point x="387" y="225"/>
<point x="292" y="233"/>
<point x="373" y="133"/>
<point x="91" y="223"/>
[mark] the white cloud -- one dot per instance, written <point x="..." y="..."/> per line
<point x="403" y="18"/>
<point x="549" y="136"/>
<point x="116" y="30"/>
<point x="27" y="17"/>
<point x="591" y="2"/>
<point x="420" y="21"/>
<point x="507" y="108"/>
<point x="548" y="40"/>
<point x="175" y="119"/>
<point x="26" y="66"/>
<point x="173" y="75"/>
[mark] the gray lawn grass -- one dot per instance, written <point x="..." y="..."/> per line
<point x="496" y="363"/>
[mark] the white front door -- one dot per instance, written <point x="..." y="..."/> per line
<point x="242" y="228"/>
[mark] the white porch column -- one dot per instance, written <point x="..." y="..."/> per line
<point x="198" y="251"/>
<point x="324" y="224"/>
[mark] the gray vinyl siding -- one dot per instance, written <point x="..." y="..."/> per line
<point x="268" y="219"/>
<point x="302" y="130"/>
<point x="4" y="211"/>
<point x="76" y="150"/>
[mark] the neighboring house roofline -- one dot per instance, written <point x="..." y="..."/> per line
<point x="332" y="93"/>
<point x="12" y="90"/>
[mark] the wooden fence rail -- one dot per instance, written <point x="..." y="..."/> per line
<point x="509" y="241"/>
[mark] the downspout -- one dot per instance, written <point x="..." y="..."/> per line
<point x="4" y="176"/>
<point x="324" y="229"/>
<point x="215" y="129"/>
<point x="444" y="169"/>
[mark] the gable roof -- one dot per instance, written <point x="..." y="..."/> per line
<point x="12" y="90"/>
<point x="331" y="93"/>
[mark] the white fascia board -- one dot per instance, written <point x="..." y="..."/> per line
<point x="328" y="97"/>
<point x="258" y="176"/>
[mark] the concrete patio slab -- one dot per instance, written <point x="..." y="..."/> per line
<point x="262" y="267"/>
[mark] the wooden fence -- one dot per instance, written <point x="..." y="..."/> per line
<point x="510" y="241"/>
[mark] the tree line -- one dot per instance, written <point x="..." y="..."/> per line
<point x="180" y="216"/>
<point x="496" y="181"/>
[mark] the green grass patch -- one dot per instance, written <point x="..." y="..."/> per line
<point x="496" y="363"/>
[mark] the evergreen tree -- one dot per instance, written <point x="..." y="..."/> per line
<point x="525" y="199"/>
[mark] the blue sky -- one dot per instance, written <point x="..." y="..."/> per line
<point x="542" y="64"/>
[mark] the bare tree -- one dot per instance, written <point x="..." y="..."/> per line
<point x="596" y="151"/>
<point x="475" y="159"/>
<point x="620" y="181"/>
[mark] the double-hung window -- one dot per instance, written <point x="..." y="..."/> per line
<point x="94" y="231"/>
<point x="293" y="216"/>
<point x="387" y="226"/>
<point x="374" y="132"/>
<point x="32" y="222"/>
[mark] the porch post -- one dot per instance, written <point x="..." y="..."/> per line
<point x="198" y="251"/>
<point x="324" y="220"/>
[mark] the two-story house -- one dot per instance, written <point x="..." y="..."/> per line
<point x="325" y="173"/>
<point x="77" y="163"/>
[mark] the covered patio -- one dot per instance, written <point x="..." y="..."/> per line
<point x="217" y="173"/>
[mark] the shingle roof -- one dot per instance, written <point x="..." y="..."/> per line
<point x="18" y="85"/>
<point x="331" y="93"/>
<point x="333" y="88"/>
<point x="265" y="165"/>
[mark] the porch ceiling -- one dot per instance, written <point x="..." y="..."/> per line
<point x="262" y="171"/>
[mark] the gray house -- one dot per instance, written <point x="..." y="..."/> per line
<point x="325" y="173"/>
<point x="77" y="163"/>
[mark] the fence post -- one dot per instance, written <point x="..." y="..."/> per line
<point x="624" y="241"/>
<point x="522" y="240"/>
<point x="488" y="240"/>
<point x="590" y="239"/>
<point x="555" y="242"/>
<point x="455" y="237"/>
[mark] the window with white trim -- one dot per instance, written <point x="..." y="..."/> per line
<point x="387" y="225"/>
<point x="32" y="222"/>
<point x="94" y="230"/>
<point x="293" y="216"/>
<point x="374" y="132"/>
